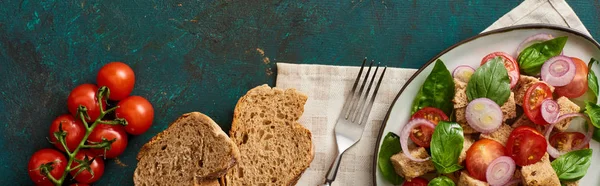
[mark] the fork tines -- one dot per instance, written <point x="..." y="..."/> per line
<point x="354" y="108"/>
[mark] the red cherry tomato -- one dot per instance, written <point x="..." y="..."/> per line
<point x="97" y="167"/>
<point x="138" y="112"/>
<point x="74" y="129"/>
<point x="510" y="64"/>
<point x="85" y="95"/>
<point x="565" y="141"/>
<point x="110" y="132"/>
<point x="416" y="182"/>
<point x="422" y="135"/>
<point x="44" y="156"/>
<point x="526" y="145"/>
<point x="480" y="155"/>
<point x="578" y="85"/>
<point x="533" y="101"/>
<point x="118" y="77"/>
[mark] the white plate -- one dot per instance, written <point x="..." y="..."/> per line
<point x="470" y="52"/>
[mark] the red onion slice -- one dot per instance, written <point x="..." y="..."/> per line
<point x="550" y="110"/>
<point x="484" y="115"/>
<point x="553" y="151"/>
<point x="558" y="71"/>
<point x="405" y="133"/>
<point x="531" y="40"/>
<point x="463" y="73"/>
<point x="500" y="171"/>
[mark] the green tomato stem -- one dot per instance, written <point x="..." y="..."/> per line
<point x="88" y="131"/>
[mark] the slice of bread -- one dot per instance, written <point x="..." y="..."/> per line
<point x="275" y="148"/>
<point x="194" y="150"/>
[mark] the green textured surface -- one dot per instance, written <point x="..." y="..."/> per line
<point x="203" y="55"/>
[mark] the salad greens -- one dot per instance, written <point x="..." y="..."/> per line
<point x="490" y="81"/>
<point x="441" y="181"/>
<point x="533" y="57"/>
<point x="436" y="91"/>
<point x="573" y="165"/>
<point x="593" y="111"/>
<point x="593" y="80"/>
<point x="446" y="146"/>
<point x="389" y="147"/>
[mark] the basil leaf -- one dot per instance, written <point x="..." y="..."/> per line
<point x="436" y="91"/>
<point x="490" y="81"/>
<point x="441" y="181"/>
<point x="389" y="147"/>
<point x="533" y="57"/>
<point x="446" y="145"/>
<point x="593" y="111"/>
<point x="596" y="135"/>
<point x="573" y="165"/>
<point x="593" y="80"/>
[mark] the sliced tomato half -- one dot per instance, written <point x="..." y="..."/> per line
<point x="511" y="65"/>
<point x="533" y="101"/>
<point x="422" y="135"/>
<point x="480" y="155"/>
<point x="565" y="141"/>
<point x="526" y="145"/>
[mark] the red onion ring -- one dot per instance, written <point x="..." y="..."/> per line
<point x="500" y="171"/>
<point x="459" y="71"/>
<point x="405" y="133"/>
<point x="534" y="38"/>
<point x="550" y="110"/>
<point x="553" y="151"/>
<point x="558" y="71"/>
<point x="484" y="115"/>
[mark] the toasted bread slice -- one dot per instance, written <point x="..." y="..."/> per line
<point x="192" y="151"/>
<point x="275" y="148"/>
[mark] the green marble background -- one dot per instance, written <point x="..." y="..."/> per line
<point x="203" y="55"/>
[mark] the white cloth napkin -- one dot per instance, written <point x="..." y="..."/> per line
<point x="327" y="86"/>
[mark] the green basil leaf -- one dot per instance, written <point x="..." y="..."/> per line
<point x="596" y="135"/>
<point x="389" y="147"/>
<point x="573" y="165"/>
<point x="593" y="80"/>
<point x="446" y="146"/>
<point x="436" y="91"/>
<point x="593" y="111"/>
<point x="441" y="181"/>
<point x="533" y="57"/>
<point x="490" y="81"/>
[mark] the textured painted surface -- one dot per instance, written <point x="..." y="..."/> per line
<point x="203" y="55"/>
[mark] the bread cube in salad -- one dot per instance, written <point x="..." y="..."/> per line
<point x="466" y="180"/>
<point x="540" y="173"/>
<point x="410" y="169"/>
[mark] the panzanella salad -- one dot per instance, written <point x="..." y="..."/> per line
<point x="506" y="122"/>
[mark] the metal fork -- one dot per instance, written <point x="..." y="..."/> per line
<point x="354" y="116"/>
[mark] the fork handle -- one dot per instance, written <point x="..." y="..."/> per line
<point x="333" y="170"/>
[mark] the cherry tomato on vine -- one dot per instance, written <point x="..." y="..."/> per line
<point x="85" y="95"/>
<point x="109" y="132"/>
<point x="44" y="156"/>
<point x="118" y="77"/>
<point x="74" y="129"/>
<point x="97" y="167"/>
<point x="138" y="112"/>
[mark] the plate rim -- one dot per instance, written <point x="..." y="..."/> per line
<point x="491" y="32"/>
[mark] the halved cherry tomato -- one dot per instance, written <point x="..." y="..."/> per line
<point x="85" y="95"/>
<point x="74" y="129"/>
<point x="565" y="141"/>
<point x="45" y="156"/>
<point x="526" y="145"/>
<point x="533" y="101"/>
<point x="109" y="132"/>
<point x="416" y="182"/>
<point x="97" y="167"/>
<point x="138" y="112"/>
<point x="422" y="135"/>
<point x="118" y="77"/>
<point x="579" y="84"/>
<point x="480" y="155"/>
<point x="510" y="64"/>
